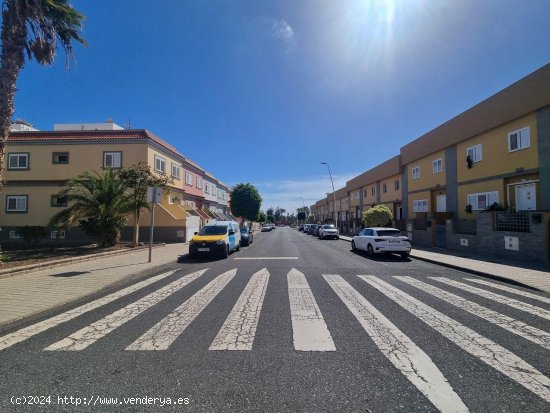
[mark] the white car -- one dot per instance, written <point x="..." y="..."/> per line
<point x="379" y="240"/>
<point x="328" y="231"/>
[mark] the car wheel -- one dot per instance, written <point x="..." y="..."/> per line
<point x="238" y="247"/>
<point x="370" y="251"/>
<point x="226" y="252"/>
<point x="353" y="247"/>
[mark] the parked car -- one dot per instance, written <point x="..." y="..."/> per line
<point x="247" y="236"/>
<point x="328" y="231"/>
<point x="310" y="229"/>
<point x="266" y="228"/>
<point x="216" y="237"/>
<point x="315" y="232"/>
<point x="301" y="227"/>
<point x="381" y="240"/>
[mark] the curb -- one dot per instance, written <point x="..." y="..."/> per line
<point x="471" y="271"/>
<point x="24" y="269"/>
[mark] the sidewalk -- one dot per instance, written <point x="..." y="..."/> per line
<point x="527" y="274"/>
<point x="27" y="294"/>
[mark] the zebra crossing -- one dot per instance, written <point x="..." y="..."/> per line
<point x="310" y="332"/>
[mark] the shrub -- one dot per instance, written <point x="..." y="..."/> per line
<point x="377" y="216"/>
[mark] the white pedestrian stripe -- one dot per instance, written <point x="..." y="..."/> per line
<point x="239" y="329"/>
<point x="477" y="345"/>
<point x="266" y="258"/>
<point x="502" y="299"/>
<point x="167" y="330"/>
<point x="510" y="290"/>
<point x="20" y="335"/>
<point x="528" y="332"/>
<point x="309" y="330"/>
<point x="399" y="349"/>
<point x="90" y="334"/>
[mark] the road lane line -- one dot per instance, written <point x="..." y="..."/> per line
<point x="399" y="349"/>
<point x="526" y="331"/>
<point x="239" y="329"/>
<point x="309" y="330"/>
<point x="511" y="290"/>
<point x="20" y="335"/>
<point x="167" y="330"/>
<point x="502" y="299"/>
<point x="265" y="258"/>
<point x="477" y="345"/>
<point x="82" y="338"/>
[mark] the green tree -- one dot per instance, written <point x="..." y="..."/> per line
<point x="377" y="216"/>
<point x="99" y="203"/>
<point x="270" y="215"/>
<point x="261" y="217"/>
<point x="138" y="177"/>
<point x="245" y="202"/>
<point x="34" y="27"/>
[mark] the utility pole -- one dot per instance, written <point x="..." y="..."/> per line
<point x="333" y="193"/>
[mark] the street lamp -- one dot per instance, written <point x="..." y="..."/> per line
<point x="333" y="193"/>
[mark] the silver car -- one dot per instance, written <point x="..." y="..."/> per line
<point x="328" y="231"/>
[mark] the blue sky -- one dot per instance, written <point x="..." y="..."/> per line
<point x="262" y="91"/>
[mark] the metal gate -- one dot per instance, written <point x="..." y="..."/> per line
<point x="440" y="239"/>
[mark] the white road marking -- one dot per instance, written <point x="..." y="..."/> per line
<point x="502" y="299"/>
<point x="309" y="330"/>
<point x="266" y="258"/>
<point x="167" y="330"/>
<point x="239" y="329"/>
<point x="20" y="335"/>
<point x="399" y="349"/>
<point x="510" y="290"/>
<point x="477" y="345"/>
<point x="528" y="332"/>
<point x="82" y="338"/>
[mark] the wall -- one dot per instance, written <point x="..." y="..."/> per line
<point x="543" y="131"/>
<point x="428" y="179"/>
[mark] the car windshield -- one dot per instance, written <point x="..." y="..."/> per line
<point x="329" y="227"/>
<point x="389" y="233"/>
<point x="244" y="230"/>
<point x="213" y="230"/>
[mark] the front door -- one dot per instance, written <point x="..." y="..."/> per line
<point x="526" y="197"/>
<point x="441" y="201"/>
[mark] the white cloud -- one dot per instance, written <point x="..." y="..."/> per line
<point x="292" y="194"/>
<point x="282" y="31"/>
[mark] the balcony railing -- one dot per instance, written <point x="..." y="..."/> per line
<point x="511" y="221"/>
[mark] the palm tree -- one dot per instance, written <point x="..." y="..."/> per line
<point x="99" y="203"/>
<point x="35" y="27"/>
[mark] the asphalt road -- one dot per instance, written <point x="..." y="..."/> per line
<point x="288" y="324"/>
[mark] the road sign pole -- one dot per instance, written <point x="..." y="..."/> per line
<point x="152" y="224"/>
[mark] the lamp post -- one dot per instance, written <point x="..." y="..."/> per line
<point x="333" y="193"/>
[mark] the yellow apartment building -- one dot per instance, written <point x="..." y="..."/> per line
<point x="38" y="164"/>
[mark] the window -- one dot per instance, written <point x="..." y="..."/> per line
<point x="160" y="164"/>
<point x="519" y="139"/>
<point x="58" y="201"/>
<point x="482" y="200"/>
<point x="60" y="157"/>
<point x="188" y="178"/>
<point x="15" y="235"/>
<point x="16" y="203"/>
<point x="416" y="172"/>
<point x="175" y="171"/>
<point x="364" y="193"/>
<point x="224" y="195"/>
<point x="199" y="182"/>
<point x="420" y="205"/>
<point x="396" y="184"/>
<point x="18" y="161"/>
<point x="112" y="159"/>
<point x="438" y="166"/>
<point x="384" y="188"/>
<point x="475" y="153"/>
<point x="57" y="234"/>
<point x="206" y="188"/>
<point x="191" y="204"/>
<point x="373" y="191"/>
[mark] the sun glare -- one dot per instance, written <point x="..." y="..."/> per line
<point x="379" y="10"/>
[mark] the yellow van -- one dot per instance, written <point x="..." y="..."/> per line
<point x="216" y="237"/>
